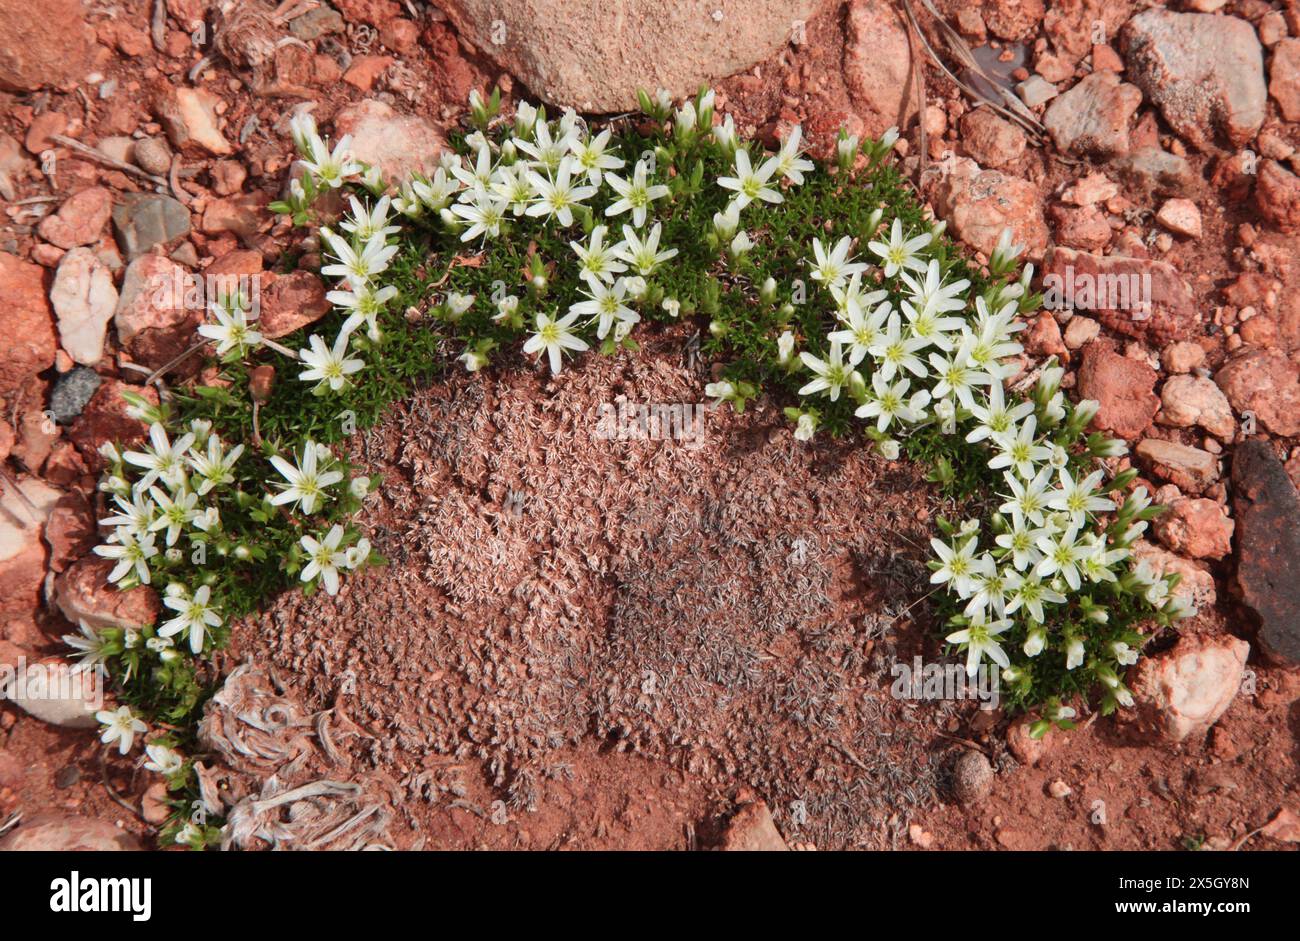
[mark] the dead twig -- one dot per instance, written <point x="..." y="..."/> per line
<point x="101" y="157"/>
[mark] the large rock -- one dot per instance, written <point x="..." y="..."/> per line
<point x="398" y="144"/>
<point x="80" y="220"/>
<point x="49" y="832"/>
<point x="1093" y="117"/>
<point x="53" y="691"/>
<point x="979" y="204"/>
<point x="878" y="66"/>
<point x="1194" y="400"/>
<point x="1277" y="196"/>
<point x="1206" y="73"/>
<point x="1196" y="527"/>
<point x="23" y="553"/>
<point x="1123" y="387"/>
<point x="1140" y="298"/>
<point x="84" y="302"/>
<point x="48" y="44"/>
<point x="83" y="593"/>
<point x="1267" y="508"/>
<point x="1284" y="78"/>
<point x="593" y="55"/>
<point x="1266" y="384"/>
<point x="1184" y="691"/>
<point x="153" y="323"/>
<point x="1190" y="469"/>
<point x="26" y="323"/>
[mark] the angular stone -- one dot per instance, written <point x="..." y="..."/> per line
<point x="1195" y="527"/>
<point x="291" y="302"/>
<point x="992" y="141"/>
<point x="83" y="593"/>
<point x="1124" y="388"/>
<point x="1190" y="468"/>
<point x="143" y="220"/>
<point x="1194" y="400"/>
<point x="1204" y="72"/>
<point x="878" y="67"/>
<point x="1184" y="691"/>
<point x="1267" y="508"/>
<point x="594" y="56"/>
<point x="1093" y="117"/>
<point x="71" y="392"/>
<point x="80" y="220"/>
<point x="1140" y="298"/>
<point x="153" y="323"/>
<point x="980" y="203"/>
<point x="26" y="323"/>
<point x="1266" y="384"/>
<point x="23" y="554"/>
<point x="105" y="419"/>
<point x="752" y="829"/>
<point x="84" y="300"/>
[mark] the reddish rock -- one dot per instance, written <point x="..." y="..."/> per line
<point x="1195" y="527"/>
<point x="54" y="48"/>
<point x="189" y="116"/>
<point x="366" y="70"/>
<point x="1277" y="196"/>
<point x="80" y="220"/>
<point x="376" y="13"/>
<point x="70" y="530"/>
<point x="1072" y="24"/>
<point x="1204" y="72"/>
<point x="752" y="829"/>
<point x="1267" y="384"/>
<point x="1013" y="19"/>
<point x="1181" y="217"/>
<point x="1284" y="78"/>
<point x="154" y="323"/>
<point x="1043" y="338"/>
<point x="1082" y="227"/>
<point x="1191" y="469"/>
<point x="1124" y="388"/>
<point x="1194" y="400"/>
<point x="878" y="67"/>
<point x="992" y="141"/>
<point x="398" y="144"/>
<point x="63" y="834"/>
<point x="23" y="554"/>
<point x="291" y="302"/>
<point x="245" y="215"/>
<point x="1182" y="692"/>
<point x="1267" y="508"/>
<point x="1138" y="297"/>
<point x="27" y="324"/>
<point x="1182" y="357"/>
<point x="1093" y="117"/>
<point x="105" y="419"/>
<point x="40" y="132"/>
<point x="979" y="204"/>
<point x="82" y="593"/>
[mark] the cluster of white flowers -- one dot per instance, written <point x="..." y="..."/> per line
<point x="120" y="727"/>
<point x="928" y="361"/>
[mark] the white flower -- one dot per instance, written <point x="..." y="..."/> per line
<point x="672" y="306"/>
<point x="1022" y="540"/>
<point x="326" y="366"/>
<point x="980" y="638"/>
<point x="480" y="177"/>
<point x="175" y="512"/>
<point x="1030" y="595"/>
<point x="805" y="427"/>
<point x="457" y="304"/>
<point x="788" y="162"/>
<point x="1061" y="554"/>
<point x="749" y="184"/>
<point x="1074" y="654"/>
<point x="959" y="566"/>
<point x="833" y="267"/>
<point x="331" y="167"/>
<point x="161" y="459"/>
<point x="554" y="336"/>
<point x="216" y="467"/>
<point x="1124" y="654"/>
<point x="1018" y="451"/>
<point x="599" y="260"/>
<point x="357" y="555"/>
<point x="832" y="374"/>
<point x="893" y="351"/>
<point x="606" y="305"/>
<point x="193" y="618"/>
<point x="120" y="726"/>
<point x="366" y="224"/>
<point x="231" y="331"/>
<point x="643" y="254"/>
<point x="1028" y="497"/>
<point x="1079" y="499"/>
<point x="863" y="329"/>
<point x="162" y="759"/>
<point x="724" y="134"/>
<point x="189" y="835"/>
<point x="135" y="516"/>
<point x="557" y="197"/>
<point x="131" y="552"/>
<point x="1035" y="642"/>
<point x="636" y="195"/>
<point x="785" y="347"/>
<point x="957" y="377"/>
<point x="507" y="307"/>
<point x="546" y="151"/>
<point x="324" y="558"/>
<point x="365" y="302"/>
<point x="305" y="484"/>
<point x="485" y="214"/>
<point x="890" y="402"/>
<point x="357" y="267"/>
<point x="90" y="647"/>
<point x="473" y="360"/>
<point x="899" y="254"/>
<point x="996" y="420"/>
<point x="590" y="155"/>
<point x="721" y="391"/>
